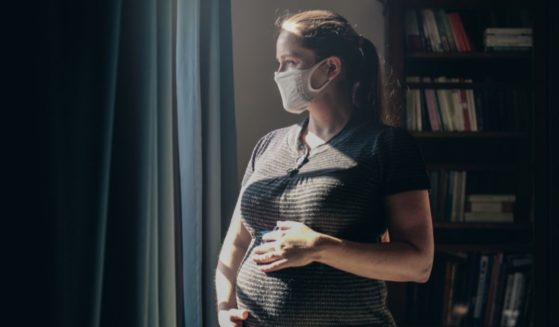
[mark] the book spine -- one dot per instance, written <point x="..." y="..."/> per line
<point x="486" y="206"/>
<point x="478" y="113"/>
<point x="507" y="300"/>
<point x="508" y="31"/>
<point x="484" y="261"/>
<point x="491" y="197"/>
<point x="449" y="33"/>
<point x="413" y="38"/>
<point x="472" y="105"/>
<point x="455" y="196"/>
<point x="450" y="194"/>
<point x="447" y="292"/>
<point x="458" y="110"/>
<point x="430" y="18"/>
<point x="427" y="32"/>
<point x="462" y="33"/>
<point x="409" y="111"/>
<point x="463" y="176"/>
<point x="439" y="15"/>
<point x="491" y="297"/>
<point x="456" y="32"/>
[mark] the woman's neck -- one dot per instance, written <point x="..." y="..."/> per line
<point x="328" y="125"/>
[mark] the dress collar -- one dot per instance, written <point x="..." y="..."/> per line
<point x="294" y="135"/>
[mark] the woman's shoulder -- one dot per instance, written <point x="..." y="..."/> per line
<point x="274" y="137"/>
<point x="276" y="134"/>
<point x="389" y="138"/>
<point x="390" y="134"/>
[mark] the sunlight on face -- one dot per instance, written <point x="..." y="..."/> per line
<point x="290" y="54"/>
<point x="291" y="28"/>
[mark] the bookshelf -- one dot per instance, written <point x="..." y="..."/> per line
<point x="468" y="97"/>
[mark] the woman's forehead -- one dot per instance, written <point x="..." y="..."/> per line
<point x="289" y="44"/>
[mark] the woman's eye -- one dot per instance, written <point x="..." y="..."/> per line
<point x="286" y="63"/>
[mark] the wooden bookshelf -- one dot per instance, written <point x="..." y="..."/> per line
<point x="481" y="134"/>
<point x="468" y="56"/>
<point x="497" y="159"/>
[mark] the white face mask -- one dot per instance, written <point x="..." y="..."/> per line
<point x="295" y="88"/>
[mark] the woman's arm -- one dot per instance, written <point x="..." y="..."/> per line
<point x="234" y="247"/>
<point x="407" y="257"/>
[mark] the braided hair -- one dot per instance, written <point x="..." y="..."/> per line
<point x="329" y="34"/>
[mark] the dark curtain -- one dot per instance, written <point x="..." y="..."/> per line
<point x="110" y="95"/>
<point x="122" y="161"/>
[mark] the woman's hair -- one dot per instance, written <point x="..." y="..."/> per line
<point x="329" y="34"/>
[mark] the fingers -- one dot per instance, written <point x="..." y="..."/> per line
<point x="273" y="236"/>
<point x="286" y="224"/>
<point x="266" y="258"/>
<point x="264" y="248"/>
<point x="239" y="314"/>
<point x="232" y="317"/>
<point x="276" y="265"/>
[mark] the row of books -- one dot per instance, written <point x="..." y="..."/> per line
<point x="486" y="289"/>
<point x="449" y="202"/>
<point x="438" y="30"/>
<point x="435" y="30"/>
<point x="463" y="109"/>
<point x="447" y="109"/>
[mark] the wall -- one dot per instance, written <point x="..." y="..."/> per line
<point x="257" y="100"/>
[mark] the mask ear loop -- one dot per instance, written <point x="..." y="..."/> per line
<point x="309" y="80"/>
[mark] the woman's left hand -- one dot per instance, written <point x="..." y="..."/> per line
<point x="294" y="244"/>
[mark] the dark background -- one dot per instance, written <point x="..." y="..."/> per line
<point x="29" y="237"/>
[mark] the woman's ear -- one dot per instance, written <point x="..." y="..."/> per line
<point x="334" y="65"/>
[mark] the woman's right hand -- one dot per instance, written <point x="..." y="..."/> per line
<point x="232" y="317"/>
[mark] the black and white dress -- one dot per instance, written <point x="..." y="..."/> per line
<point x="337" y="190"/>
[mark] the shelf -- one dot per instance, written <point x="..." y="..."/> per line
<point x="486" y="234"/>
<point x="522" y="55"/>
<point x="475" y="85"/>
<point x="469" y="134"/>
<point x="465" y="4"/>
<point x="501" y="159"/>
<point x="499" y="167"/>
<point x="481" y="225"/>
<point x="512" y="247"/>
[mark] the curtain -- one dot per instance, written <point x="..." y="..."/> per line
<point x="110" y="91"/>
<point x="207" y="151"/>
<point x="142" y="157"/>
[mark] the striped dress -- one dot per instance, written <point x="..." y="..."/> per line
<point x="338" y="190"/>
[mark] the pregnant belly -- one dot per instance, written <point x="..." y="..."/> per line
<point x="313" y="295"/>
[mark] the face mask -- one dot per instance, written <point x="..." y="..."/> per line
<point x="295" y="88"/>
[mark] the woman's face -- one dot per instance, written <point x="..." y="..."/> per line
<point x="290" y="54"/>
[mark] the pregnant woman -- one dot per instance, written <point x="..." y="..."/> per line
<point x="304" y="247"/>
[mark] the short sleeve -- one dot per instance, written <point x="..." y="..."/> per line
<point x="257" y="151"/>
<point x="401" y="162"/>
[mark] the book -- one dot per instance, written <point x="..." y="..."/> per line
<point x="481" y="291"/>
<point x="456" y="23"/>
<point x="493" y="289"/>
<point x="490" y="197"/>
<point x="489" y="206"/>
<point x="448" y="295"/>
<point x="432" y="30"/>
<point x="440" y="17"/>
<point x="413" y="35"/>
<point x="494" y="217"/>
<point x="507" y="301"/>
<point x="508" y="30"/>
